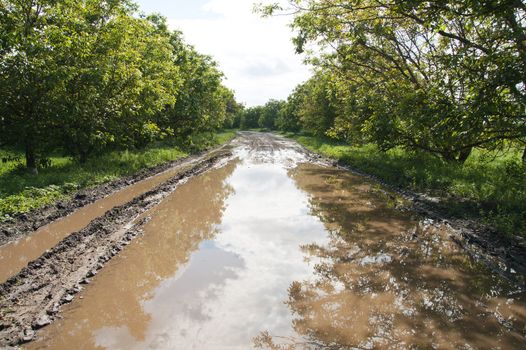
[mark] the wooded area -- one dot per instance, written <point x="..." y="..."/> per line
<point x="380" y="205"/>
<point x="409" y="91"/>
<point x="85" y="77"/>
<point x="444" y="77"/>
<point x="441" y="81"/>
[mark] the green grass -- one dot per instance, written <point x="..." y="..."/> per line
<point x="490" y="186"/>
<point x="21" y="192"/>
<point x="225" y="136"/>
<point x="205" y="140"/>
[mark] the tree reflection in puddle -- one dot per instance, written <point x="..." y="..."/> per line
<point x="387" y="281"/>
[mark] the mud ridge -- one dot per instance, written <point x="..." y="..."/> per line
<point x="25" y="224"/>
<point x="503" y="255"/>
<point x="33" y="298"/>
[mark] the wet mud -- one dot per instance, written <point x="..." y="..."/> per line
<point x="31" y="299"/>
<point x="113" y="310"/>
<point x="214" y="263"/>
<point x="503" y="253"/>
<point x="26" y="224"/>
<point x="273" y="251"/>
<point x="17" y="254"/>
<point x="272" y="248"/>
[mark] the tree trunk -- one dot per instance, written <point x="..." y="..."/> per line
<point x="459" y="157"/>
<point x="464" y="155"/>
<point x="83" y="150"/>
<point x="31" y="158"/>
<point x="83" y="158"/>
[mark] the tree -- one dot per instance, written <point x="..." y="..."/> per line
<point x="115" y="89"/>
<point x="317" y="110"/>
<point x="202" y="101"/>
<point x="233" y="110"/>
<point x="289" y="115"/>
<point x="443" y="77"/>
<point x="269" y="114"/>
<point x="30" y="74"/>
<point x="92" y="75"/>
<point x="81" y="76"/>
<point x="250" y="117"/>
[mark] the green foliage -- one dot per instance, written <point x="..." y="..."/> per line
<point x="443" y="77"/>
<point x="420" y="94"/>
<point x="269" y="114"/>
<point x="203" y="103"/>
<point x="126" y="76"/>
<point x="289" y="115"/>
<point x="92" y="76"/>
<point x="98" y="82"/>
<point x="21" y="192"/>
<point x="489" y="185"/>
<point x="204" y="140"/>
<point x="29" y="199"/>
<point x="316" y="111"/>
<point x="223" y="137"/>
<point x="234" y="111"/>
<point x="250" y="118"/>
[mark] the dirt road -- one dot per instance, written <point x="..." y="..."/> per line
<point x="261" y="244"/>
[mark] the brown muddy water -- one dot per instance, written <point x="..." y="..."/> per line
<point x="16" y="255"/>
<point x="263" y="253"/>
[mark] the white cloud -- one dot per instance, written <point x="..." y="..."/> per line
<point x="256" y="54"/>
<point x="262" y="68"/>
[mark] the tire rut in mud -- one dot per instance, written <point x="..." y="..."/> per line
<point x="32" y="299"/>
<point x="25" y="224"/>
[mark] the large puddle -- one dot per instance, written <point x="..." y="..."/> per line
<point x="262" y="253"/>
<point x="16" y="255"/>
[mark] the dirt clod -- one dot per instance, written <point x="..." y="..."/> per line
<point x="42" y="322"/>
<point x="27" y="335"/>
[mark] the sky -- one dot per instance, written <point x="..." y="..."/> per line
<point x="255" y="54"/>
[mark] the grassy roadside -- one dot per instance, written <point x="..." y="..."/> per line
<point x="490" y="186"/>
<point x="21" y="192"/>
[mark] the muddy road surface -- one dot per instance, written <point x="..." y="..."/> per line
<point x="262" y="246"/>
<point x="16" y="254"/>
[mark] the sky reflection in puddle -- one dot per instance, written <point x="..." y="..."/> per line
<point x="211" y="271"/>
<point x="298" y="258"/>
